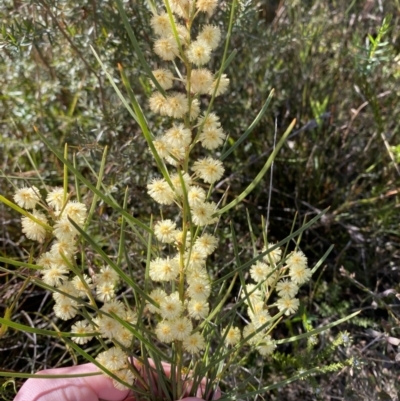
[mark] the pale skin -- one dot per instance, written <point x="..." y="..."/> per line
<point x="90" y="388"/>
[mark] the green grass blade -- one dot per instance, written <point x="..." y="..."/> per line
<point x="41" y="376"/>
<point x="103" y="197"/>
<point x="98" y="187"/>
<point x="29" y="329"/>
<point x="121" y="245"/>
<point x="120" y="95"/>
<point x="112" y="199"/>
<point x="319" y="263"/>
<point x="141" y="338"/>
<point x="136" y="46"/>
<point x="112" y="264"/>
<point x="228" y="60"/>
<point x="318" y="330"/>
<point x="145" y="129"/>
<point x="18" y="209"/>
<point x="147" y="280"/>
<point x="260" y="175"/>
<point x="220" y="304"/>
<point x="19" y="264"/>
<point x="277" y="245"/>
<point x="137" y="114"/>
<point x="275" y="385"/>
<point x="250" y="129"/>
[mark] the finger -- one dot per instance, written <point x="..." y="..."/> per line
<point x="130" y="398"/>
<point x="70" y="389"/>
<point x="103" y="386"/>
<point x="45" y="390"/>
<point x="200" y="393"/>
<point x="191" y="399"/>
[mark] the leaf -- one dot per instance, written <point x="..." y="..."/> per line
<point x="260" y="175"/>
<point x="110" y="262"/>
<point x="141" y="338"/>
<point x="42" y="376"/>
<point x="250" y="128"/>
<point x="275" y="246"/>
<point x="319" y="263"/>
<point x="145" y="129"/>
<point x="103" y="197"/>
<point x="19" y="264"/>
<point x="136" y="46"/>
<point x="120" y="95"/>
<point x="98" y="187"/>
<point x="318" y="330"/>
<point x="29" y="329"/>
<point x="275" y="385"/>
<point x="24" y="213"/>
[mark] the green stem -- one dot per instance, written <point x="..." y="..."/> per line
<point x="65" y="175"/>
<point x="179" y="369"/>
<point x="25" y="213"/>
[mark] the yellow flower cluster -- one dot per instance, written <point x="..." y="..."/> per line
<point x="57" y="261"/>
<point x="174" y="146"/>
<point x="270" y="273"/>
<point x="179" y="314"/>
<point x="115" y="360"/>
<point x="58" y="269"/>
<point x="181" y="302"/>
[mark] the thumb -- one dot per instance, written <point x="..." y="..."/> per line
<point x="89" y="388"/>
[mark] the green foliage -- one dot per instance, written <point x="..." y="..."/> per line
<point x="5" y="389"/>
<point x="326" y="359"/>
<point x="396" y="152"/>
<point x="376" y="51"/>
<point x="285" y="360"/>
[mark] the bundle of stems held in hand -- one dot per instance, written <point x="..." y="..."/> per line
<point x="173" y="318"/>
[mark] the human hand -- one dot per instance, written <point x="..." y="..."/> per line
<point x="88" y="388"/>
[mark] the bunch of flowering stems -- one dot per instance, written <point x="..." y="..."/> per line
<point x="172" y="319"/>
